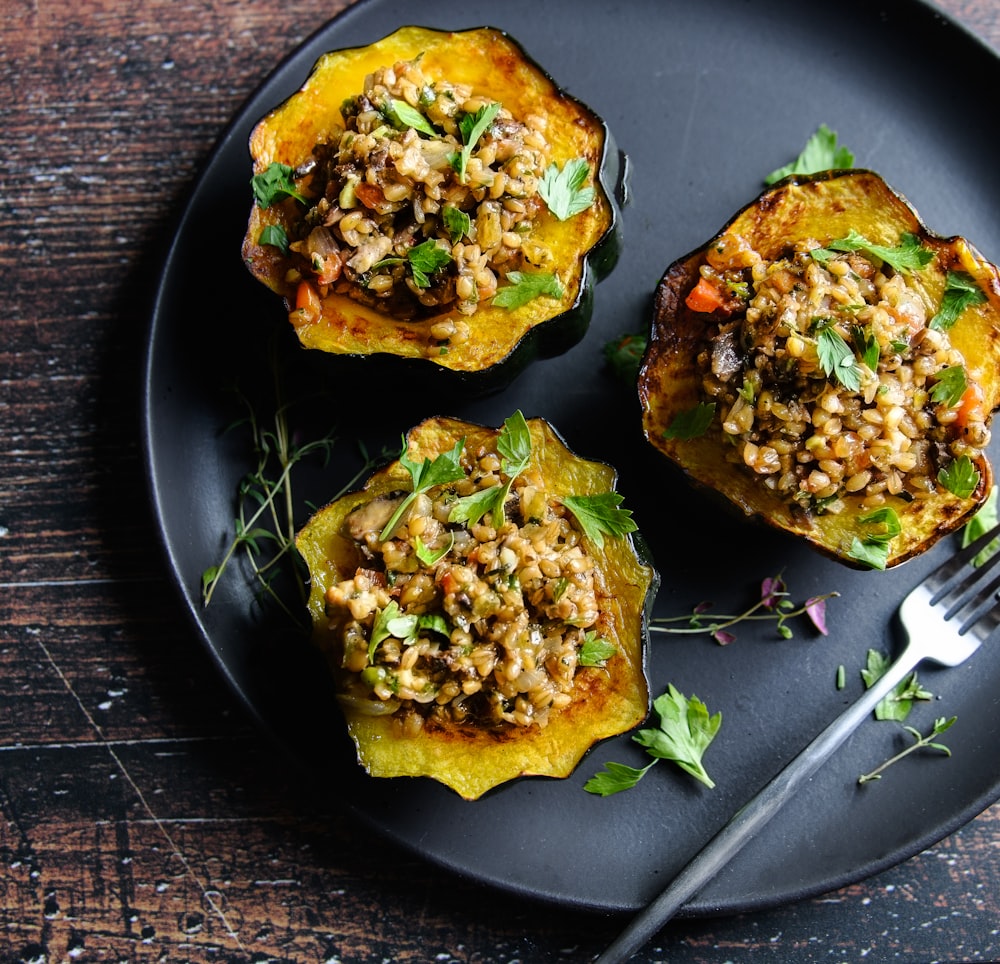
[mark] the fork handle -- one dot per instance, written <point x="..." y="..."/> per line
<point x="750" y="818"/>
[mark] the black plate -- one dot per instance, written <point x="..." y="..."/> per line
<point x="705" y="99"/>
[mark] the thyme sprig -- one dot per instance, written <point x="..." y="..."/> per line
<point x="774" y="605"/>
<point x="265" y="504"/>
<point x="940" y="725"/>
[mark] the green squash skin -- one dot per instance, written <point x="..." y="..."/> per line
<point x="514" y="343"/>
<point x="823" y="206"/>
<point x="609" y="700"/>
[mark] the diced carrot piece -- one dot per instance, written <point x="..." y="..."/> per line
<point x="307" y="305"/>
<point x="970" y="408"/>
<point x="705" y="296"/>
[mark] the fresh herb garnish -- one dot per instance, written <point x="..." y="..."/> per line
<point x="616" y="777"/>
<point x="264" y="524"/>
<point x="425" y="259"/>
<point x="274" y="184"/>
<point x="897" y="704"/>
<point x="684" y="733"/>
<point x="950" y="385"/>
<point x="563" y="191"/>
<point x="981" y="523"/>
<point x="908" y="255"/>
<point x="866" y="345"/>
<point x="457" y="222"/>
<point x="600" y="515"/>
<point x="274" y="235"/>
<point x="430" y="557"/>
<point x="880" y="526"/>
<point x="472" y="127"/>
<point x="624" y="355"/>
<point x="403" y="116"/>
<point x="774" y="605"/>
<point x="514" y="446"/>
<point x="692" y="422"/>
<point x="596" y="650"/>
<point x="406" y="627"/>
<point x="821" y="153"/>
<point x="960" y="292"/>
<point x="446" y="467"/>
<point x="960" y="477"/>
<point x="381" y="627"/>
<point x="525" y="287"/>
<point x="941" y="724"/>
<point x="837" y="358"/>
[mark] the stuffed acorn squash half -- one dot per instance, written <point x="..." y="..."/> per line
<point x="434" y="196"/>
<point x="483" y="604"/>
<point x="829" y="364"/>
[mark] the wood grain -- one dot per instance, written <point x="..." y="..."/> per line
<point x="142" y="817"/>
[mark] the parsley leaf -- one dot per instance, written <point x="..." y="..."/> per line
<point x="684" y="734"/>
<point x="837" y="358"/>
<point x="525" y="287"/>
<point x="897" y="704"/>
<point x="274" y="184"/>
<point x="881" y="527"/>
<point x="908" y="255"/>
<point x="960" y="477"/>
<point x="624" y="355"/>
<point x="380" y="629"/>
<point x="692" y="422"/>
<point x="950" y="385"/>
<point x="427" y="556"/>
<point x="600" y="515"/>
<point x="514" y="445"/>
<point x="392" y="621"/>
<point x="563" y="191"/>
<point x="447" y="467"/>
<point x="866" y="345"/>
<point x="456" y="221"/>
<point x="616" y="777"/>
<point x="274" y="234"/>
<point x="821" y="153"/>
<point x="472" y="127"/>
<point x="403" y="116"/>
<point x="596" y="650"/>
<point x="960" y="292"/>
<point x="981" y="523"/>
<point x="425" y="259"/>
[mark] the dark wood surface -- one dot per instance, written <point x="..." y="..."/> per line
<point x="142" y="818"/>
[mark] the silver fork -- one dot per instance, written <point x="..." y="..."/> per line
<point x="944" y="620"/>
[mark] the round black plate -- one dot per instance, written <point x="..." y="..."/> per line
<point x="705" y="99"/>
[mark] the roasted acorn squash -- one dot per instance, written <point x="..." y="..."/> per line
<point x="487" y="343"/>
<point x="401" y="698"/>
<point x="720" y="348"/>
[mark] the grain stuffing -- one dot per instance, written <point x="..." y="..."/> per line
<point x="426" y="199"/>
<point x="482" y="622"/>
<point x="829" y="379"/>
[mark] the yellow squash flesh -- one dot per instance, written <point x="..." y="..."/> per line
<point x="824" y="207"/>
<point x="583" y="246"/>
<point x="608" y="700"/>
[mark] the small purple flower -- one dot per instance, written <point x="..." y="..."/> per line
<point x="772" y="590"/>
<point x="816" y="611"/>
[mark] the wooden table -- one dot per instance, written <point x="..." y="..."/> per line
<point x="143" y="818"/>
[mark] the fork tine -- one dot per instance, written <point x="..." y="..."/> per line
<point x="943" y="579"/>
<point x="986" y="618"/>
<point x="973" y="607"/>
<point x="969" y="591"/>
